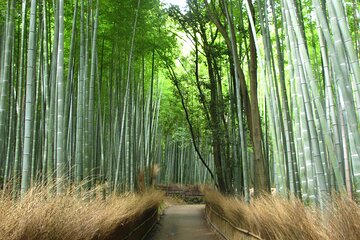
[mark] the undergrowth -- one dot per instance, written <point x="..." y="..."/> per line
<point x="40" y="215"/>
<point x="272" y="217"/>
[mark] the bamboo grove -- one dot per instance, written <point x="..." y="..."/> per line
<point x="280" y="97"/>
<point x="268" y="95"/>
<point x="80" y="93"/>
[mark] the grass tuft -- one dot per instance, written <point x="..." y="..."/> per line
<point x="273" y="217"/>
<point x="71" y="216"/>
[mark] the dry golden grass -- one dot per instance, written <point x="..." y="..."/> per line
<point x="38" y="216"/>
<point x="276" y="218"/>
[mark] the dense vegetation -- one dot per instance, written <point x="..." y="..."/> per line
<point x="273" y="217"/>
<point x="38" y="216"/>
<point x="97" y="92"/>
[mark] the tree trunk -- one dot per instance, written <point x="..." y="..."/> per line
<point x="261" y="172"/>
<point x="31" y="63"/>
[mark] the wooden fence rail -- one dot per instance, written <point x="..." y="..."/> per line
<point x="226" y="229"/>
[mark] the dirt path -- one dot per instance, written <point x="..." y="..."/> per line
<point x="183" y="222"/>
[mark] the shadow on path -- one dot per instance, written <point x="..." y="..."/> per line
<point x="183" y="222"/>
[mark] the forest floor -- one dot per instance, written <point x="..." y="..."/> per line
<point x="183" y="222"/>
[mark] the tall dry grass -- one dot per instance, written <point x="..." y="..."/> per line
<point x="272" y="217"/>
<point x="40" y="216"/>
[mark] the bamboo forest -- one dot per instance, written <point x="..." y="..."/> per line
<point x="118" y="117"/>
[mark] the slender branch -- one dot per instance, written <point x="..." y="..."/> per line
<point x="176" y="83"/>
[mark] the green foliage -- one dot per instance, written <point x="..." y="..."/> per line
<point x="134" y="49"/>
<point x="3" y="6"/>
<point x="172" y="118"/>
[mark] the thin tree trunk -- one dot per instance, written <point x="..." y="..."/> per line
<point x="6" y="74"/>
<point x="30" y="74"/>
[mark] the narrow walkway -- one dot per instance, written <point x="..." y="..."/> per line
<point x="183" y="222"/>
